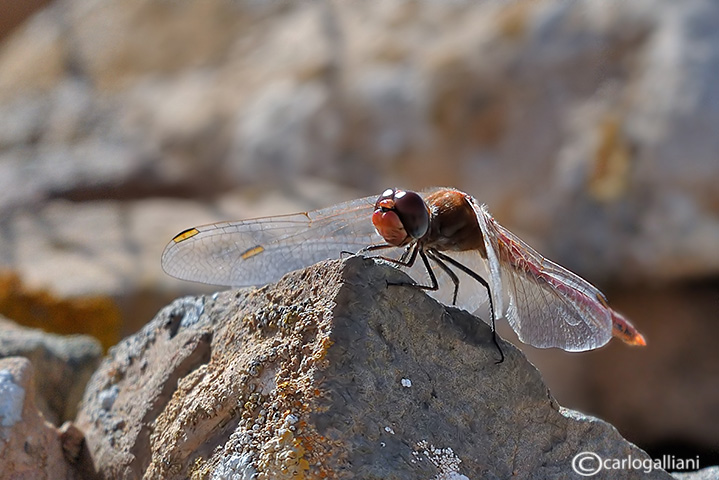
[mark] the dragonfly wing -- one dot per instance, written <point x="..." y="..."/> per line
<point x="544" y="318"/>
<point x="548" y="306"/>
<point x="494" y="267"/>
<point x="259" y="251"/>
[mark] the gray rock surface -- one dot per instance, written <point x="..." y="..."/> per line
<point x="709" y="473"/>
<point x="329" y="374"/>
<point x="30" y="447"/>
<point x="62" y="366"/>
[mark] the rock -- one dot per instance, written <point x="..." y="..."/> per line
<point x="34" y="55"/>
<point x="72" y="440"/>
<point x="328" y="374"/>
<point x="29" y="446"/>
<point x="710" y="473"/>
<point x="13" y="15"/>
<point x="62" y="366"/>
<point x="96" y="314"/>
<point x="587" y="127"/>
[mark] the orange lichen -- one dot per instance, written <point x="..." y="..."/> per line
<point x="95" y="315"/>
<point x="283" y="458"/>
<point x="612" y="160"/>
<point x="512" y="21"/>
<point x="325" y="345"/>
<point x="288" y="445"/>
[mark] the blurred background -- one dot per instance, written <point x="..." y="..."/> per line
<point x="590" y="128"/>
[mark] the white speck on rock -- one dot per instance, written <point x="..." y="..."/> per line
<point x="235" y="467"/>
<point x="452" y="476"/>
<point x="291" y="419"/>
<point x="12" y="397"/>
<point x="107" y="397"/>
<point x="444" y="459"/>
<point x="406" y="382"/>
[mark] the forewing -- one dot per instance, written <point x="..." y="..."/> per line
<point x="548" y="306"/>
<point x="259" y="251"/>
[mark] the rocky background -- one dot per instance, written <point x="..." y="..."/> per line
<point x="588" y="127"/>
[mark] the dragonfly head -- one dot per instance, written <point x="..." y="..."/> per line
<point x="400" y="216"/>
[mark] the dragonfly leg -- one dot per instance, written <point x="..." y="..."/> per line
<point x="407" y="252"/>
<point x="402" y="261"/>
<point x="449" y="272"/>
<point x="413" y="256"/>
<point x="368" y="248"/>
<point x="481" y="280"/>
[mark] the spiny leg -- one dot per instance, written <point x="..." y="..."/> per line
<point x="412" y="250"/>
<point x="402" y="262"/>
<point x="368" y="248"/>
<point x="417" y="250"/>
<point x="406" y="253"/>
<point x="449" y="272"/>
<point x="481" y="280"/>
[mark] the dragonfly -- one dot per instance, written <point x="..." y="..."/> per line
<point x="460" y="247"/>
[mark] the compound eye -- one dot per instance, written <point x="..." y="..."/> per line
<point x="386" y="200"/>
<point x="413" y="212"/>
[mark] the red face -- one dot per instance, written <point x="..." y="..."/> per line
<point x="400" y="216"/>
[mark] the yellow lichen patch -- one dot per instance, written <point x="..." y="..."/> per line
<point x="199" y="469"/>
<point x="512" y="21"/>
<point x="610" y="174"/>
<point x="95" y="315"/>
<point x="321" y="353"/>
<point x="282" y="458"/>
<point x="276" y="429"/>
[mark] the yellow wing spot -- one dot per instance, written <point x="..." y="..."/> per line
<point x="189" y="233"/>
<point x="252" y="252"/>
